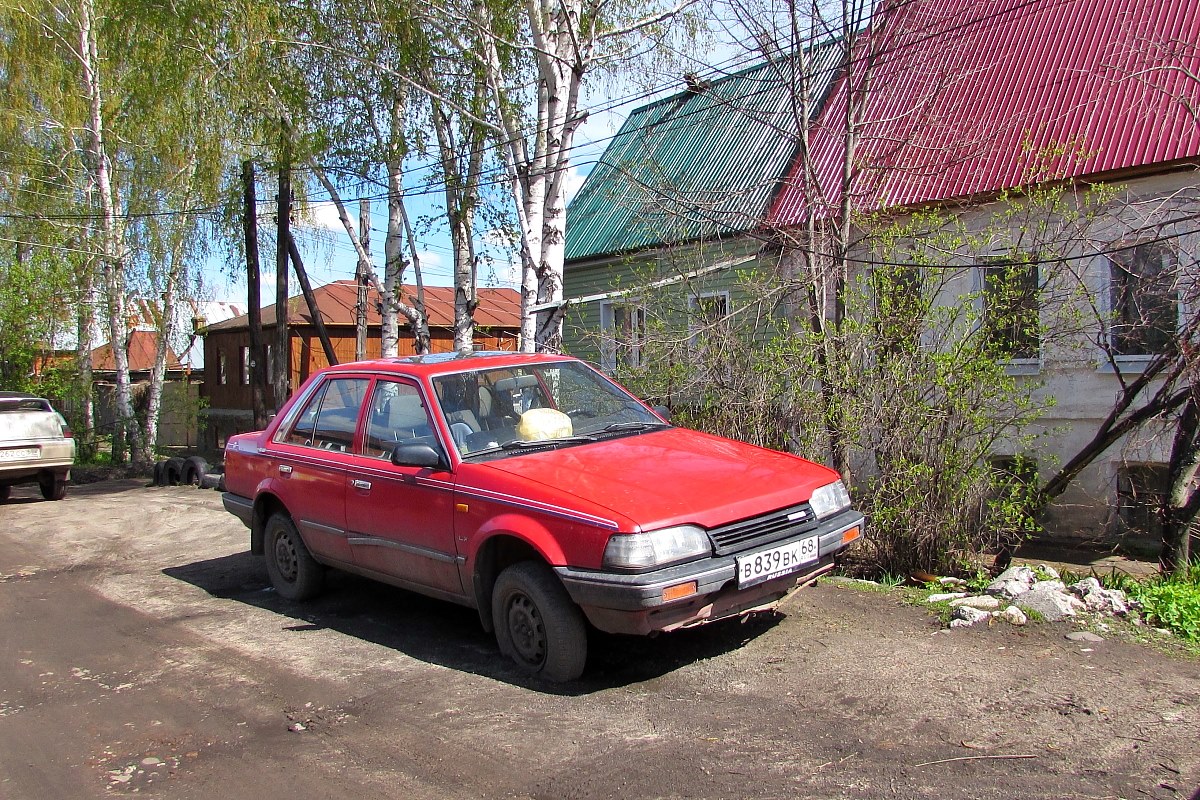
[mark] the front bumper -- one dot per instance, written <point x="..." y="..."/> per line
<point x="634" y="603"/>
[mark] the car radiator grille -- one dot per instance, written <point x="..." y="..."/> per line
<point x="771" y="527"/>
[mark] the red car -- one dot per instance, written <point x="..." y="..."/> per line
<point x="535" y="490"/>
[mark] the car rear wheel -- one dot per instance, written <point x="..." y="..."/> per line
<point x="536" y="623"/>
<point x="294" y="573"/>
<point x="53" y="488"/>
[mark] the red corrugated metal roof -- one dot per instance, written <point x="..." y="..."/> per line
<point x="498" y="308"/>
<point x="141" y="351"/>
<point x="974" y="96"/>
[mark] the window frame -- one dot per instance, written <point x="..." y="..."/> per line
<point x="1175" y="301"/>
<point x="1005" y="264"/>
<point x="612" y="348"/>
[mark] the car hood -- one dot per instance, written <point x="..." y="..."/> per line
<point x="666" y="477"/>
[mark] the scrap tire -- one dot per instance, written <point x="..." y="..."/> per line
<point x="158" y="473"/>
<point x="537" y="624"/>
<point x="221" y="483"/>
<point x="53" y="489"/>
<point x="210" y="481"/>
<point x="294" y="573"/>
<point x="194" y="469"/>
<point x="172" y="471"/>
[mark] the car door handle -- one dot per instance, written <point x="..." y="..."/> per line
<point x="284" y="469"/>
<point x="357" y="484"/>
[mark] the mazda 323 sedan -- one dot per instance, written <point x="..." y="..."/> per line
<point x="535" y="490"/>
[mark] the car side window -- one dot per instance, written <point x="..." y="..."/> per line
<point x="329" y="419"/>
<point x="397" y="416"/>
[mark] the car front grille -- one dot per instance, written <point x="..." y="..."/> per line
<point x="770" y="527"/>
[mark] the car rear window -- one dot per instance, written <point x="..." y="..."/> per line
<point x="24" y="404"/>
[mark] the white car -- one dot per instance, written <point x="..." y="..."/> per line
<point x="36" y="445"/>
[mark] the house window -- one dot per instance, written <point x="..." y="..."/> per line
<point x="222" y="369"/>
<point x="1143" y="300"/>
<point x="623" y="327"/>
<point x="1010" y="308"/>
<point x="899" y="308"/>
<point x="709" y="315"/>
<point x="1141" y="492"/>
<point x="244" y="374"/>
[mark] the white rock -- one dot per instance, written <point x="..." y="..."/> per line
<point x="1013" y="616"/>
<point x="1051" y="604"/>
<point x="965" y="616"/>
<point x="938" y="598"/>
<point x="1013" y="582"/>
<point x="983" y="603"/>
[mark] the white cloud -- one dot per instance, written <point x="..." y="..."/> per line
<point x="574" y="181"/>
<point x="429" y="259"/>
<point x="323" y="216"/>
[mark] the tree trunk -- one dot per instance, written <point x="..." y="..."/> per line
<point x="112" y="264"/>
<point x="1183" y="497"/>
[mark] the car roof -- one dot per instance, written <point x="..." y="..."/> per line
<point x="445" y="363"/>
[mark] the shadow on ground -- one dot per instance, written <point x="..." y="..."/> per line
<point x="26" y="494"/>
<point x="451" y="636"/>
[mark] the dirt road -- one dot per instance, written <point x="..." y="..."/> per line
<point x="141" y="651"/>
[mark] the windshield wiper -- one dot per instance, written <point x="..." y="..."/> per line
<point x="632" y="426"/>
<point x="522" y="444"/>
<point x="535" y="444"/>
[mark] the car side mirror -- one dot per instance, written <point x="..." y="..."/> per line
<point x="417" y="455"/>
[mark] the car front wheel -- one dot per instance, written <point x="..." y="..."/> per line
<point x="294" y="573"/>
<point x="536" y="623"/>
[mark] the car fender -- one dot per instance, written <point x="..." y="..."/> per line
<point x="523" y="527"/>
<point x="265" y="493"/>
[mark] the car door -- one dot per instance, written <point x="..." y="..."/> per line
<point x="399" y="518"/>
<point x="314" y="461"/>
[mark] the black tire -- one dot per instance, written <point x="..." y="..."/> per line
<point x="210" y="481"/>
<point x="194" y="469"/>
<point x="221" y="483"/>
<point x="294" y="573"/>
<point x="5" y="492"/>
<point x="172" y="471"/>
<point x="53" y="489"/>
<point x="158" y="472"/>
<point x="537" y="624"/>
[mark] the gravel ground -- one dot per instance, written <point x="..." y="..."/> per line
<point x="144" y="652"/>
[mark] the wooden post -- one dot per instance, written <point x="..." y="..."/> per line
<point x="258" y="373"/>
<point x="311" y="300"/>
<point x="283" y="203"/>
<point x="360" y="308"/>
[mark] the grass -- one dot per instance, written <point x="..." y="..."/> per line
<point x="1171" y="602"/>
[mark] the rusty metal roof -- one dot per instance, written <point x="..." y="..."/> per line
<point x="970" y="98"/>
<point x="498" y="308"/>
<point x="705" y="162"/>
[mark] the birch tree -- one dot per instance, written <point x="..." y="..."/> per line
<point x="536" y="56"/>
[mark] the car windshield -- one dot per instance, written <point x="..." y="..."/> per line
<point x="496" y="412"/>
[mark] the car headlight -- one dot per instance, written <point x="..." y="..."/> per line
<point x="830" y="499"/>
<point x="655" y="548"/>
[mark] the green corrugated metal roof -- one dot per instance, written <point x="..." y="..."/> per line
<point x="698" y="164"/>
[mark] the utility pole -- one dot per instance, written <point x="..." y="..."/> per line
<point x="283" y="203"/>
<point x="360" y="274"/>
<point x="258" y="375"/>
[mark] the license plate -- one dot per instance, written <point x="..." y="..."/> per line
<point x="18" y="454"/>
<point x="767" y="564"/>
